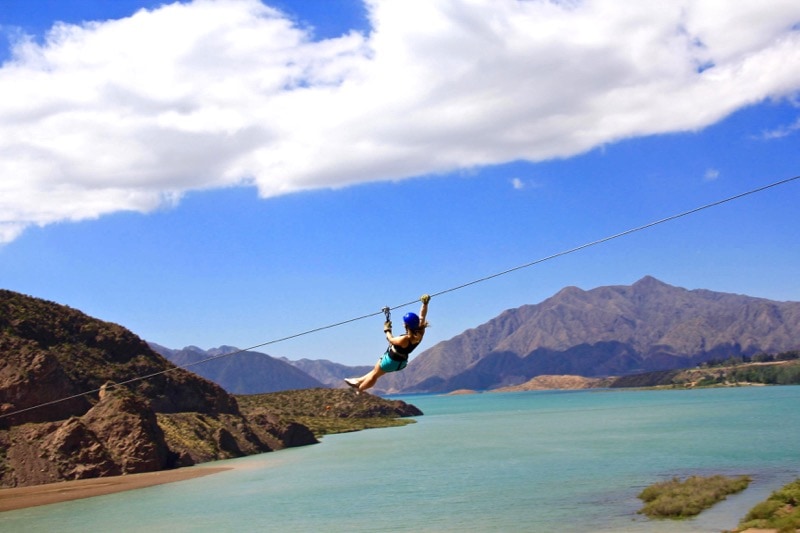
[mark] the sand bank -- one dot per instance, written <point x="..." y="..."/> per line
<point x="22" y="497"/>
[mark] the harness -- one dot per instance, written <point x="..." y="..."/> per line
<point x="398" y="353"/>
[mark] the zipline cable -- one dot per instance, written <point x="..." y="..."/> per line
<point x="446" y="291"/>
<point x="605" y="239"/>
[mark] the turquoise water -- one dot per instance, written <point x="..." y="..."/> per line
<point x="531" y="461"/>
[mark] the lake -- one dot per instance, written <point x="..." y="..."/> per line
<point x="527" y="461"/>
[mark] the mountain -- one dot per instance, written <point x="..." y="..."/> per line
<point x="614" y="330"/>
<point x="72" y="406"/>
<point x="329" y="373"/>
<point x="242" y="373"/>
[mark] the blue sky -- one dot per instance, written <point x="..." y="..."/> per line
<point x="233" y="172"/>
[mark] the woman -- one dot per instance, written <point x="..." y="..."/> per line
<point x="396" y="356"/>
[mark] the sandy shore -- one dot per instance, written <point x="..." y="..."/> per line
<point x="20" y="498"/>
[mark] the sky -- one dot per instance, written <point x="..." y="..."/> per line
<point x="234" y="172"/>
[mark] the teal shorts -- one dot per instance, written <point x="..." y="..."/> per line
<point x="391" y="365"/>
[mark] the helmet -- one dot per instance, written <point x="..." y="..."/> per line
<point x="411" y="320"/>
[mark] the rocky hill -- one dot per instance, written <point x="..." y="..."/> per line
<point x="50" y="352"/>
<point x="327" y="411"/>
<point x="607" y="331"/>
<point x="243" y="373"/>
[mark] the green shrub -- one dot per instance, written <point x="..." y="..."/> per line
<point x="683" y="499"/>
<point x="788" y="494"/>
<point x="780" y="511"/>
<point x="763" y="510"/>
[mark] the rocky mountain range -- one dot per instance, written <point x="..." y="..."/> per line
<point x="247" y="372"/>
<point x="607" y="331"/>
<point x="251" y="372"/>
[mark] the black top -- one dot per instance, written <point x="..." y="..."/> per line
<point x="401" y="351"/>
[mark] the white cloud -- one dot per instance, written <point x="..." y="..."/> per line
<point x="521" y="184"/>
<point x="781" y="132"/>
<point x="128" y="114"/>
<point x="711" y="174"/>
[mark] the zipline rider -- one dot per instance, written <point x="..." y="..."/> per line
<point x="400" y="347"/>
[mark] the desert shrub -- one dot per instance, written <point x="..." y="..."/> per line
<point x="683" y="499"/>
<point x="780" y="511"/>
<point x="763" y="510"/>
<point x="788" y="494"/>
<point x="789" y="523"/>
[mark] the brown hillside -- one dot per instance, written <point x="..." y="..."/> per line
<point x="49" y="352"/>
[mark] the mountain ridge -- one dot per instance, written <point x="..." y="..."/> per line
<point x="649" y="325"/>
<point x="246" y="372"/>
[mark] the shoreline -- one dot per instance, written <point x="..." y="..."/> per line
<point x="12" y="499"/>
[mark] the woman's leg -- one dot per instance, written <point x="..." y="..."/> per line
<point x="370" y="378"/>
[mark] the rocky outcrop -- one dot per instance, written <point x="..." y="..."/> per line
<point x="118" y="435"/>
<point x="64" y="416"/>
<point x="30" y="377"/>
<point x="288" y="433"/>
<point x="128" y="429"/>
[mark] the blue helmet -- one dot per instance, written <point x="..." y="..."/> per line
<point x="411" y="320"/>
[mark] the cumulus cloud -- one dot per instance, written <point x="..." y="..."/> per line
<point x="129" y="114"/>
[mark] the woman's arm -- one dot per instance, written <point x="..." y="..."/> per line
<point x="387" y="330"/>
<point x="423" y="311"/>
<point x="403" y="340"/>
<point x="400" y="340"/>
